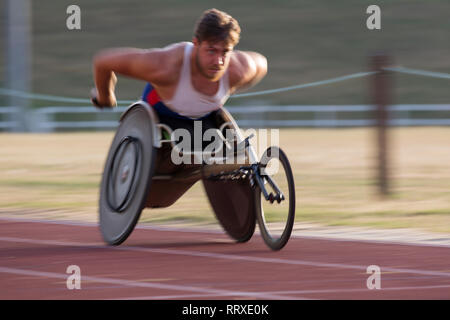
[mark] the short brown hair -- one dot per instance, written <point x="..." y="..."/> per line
<point x="215" y="25"/>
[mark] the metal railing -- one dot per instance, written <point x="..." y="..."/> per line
<point x="45" y="119"/>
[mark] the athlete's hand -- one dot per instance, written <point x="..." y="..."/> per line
<point x="105" y="102"/>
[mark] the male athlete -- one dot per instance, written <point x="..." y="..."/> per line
<point x="187" y="81"/>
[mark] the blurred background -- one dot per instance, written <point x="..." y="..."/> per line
<point x="57" y="174"/>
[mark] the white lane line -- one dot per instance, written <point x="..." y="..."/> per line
<point x="170" y="297"/>
<point x="130" y="283"/>
<point x="360" y="290"/>
<point x="282" y="261"/>
<point x="312" y="291"/>
<point x="231" y="257"/>
<point x="347" y="238"/>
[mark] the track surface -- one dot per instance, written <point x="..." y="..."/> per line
<point x="158" y="263"/>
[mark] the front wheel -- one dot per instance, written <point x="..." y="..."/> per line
<point x="275" y="198"/>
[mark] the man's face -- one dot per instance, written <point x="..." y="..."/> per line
<point x="212" y="58"/>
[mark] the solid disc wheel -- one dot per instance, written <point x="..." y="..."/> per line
<point x="276" y="215"/>
<point x="127" y="176"/>
<point x="233" y="205"/>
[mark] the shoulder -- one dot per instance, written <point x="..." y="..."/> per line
<point x="245" y="66"/>
<point x="241" y="63"/>
<point x="171" y="53"/>
<point x="167" y="61"/>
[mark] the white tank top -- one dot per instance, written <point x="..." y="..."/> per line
<point x="189" y="102"/>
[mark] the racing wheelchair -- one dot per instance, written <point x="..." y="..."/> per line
<point x="138" y="173"/>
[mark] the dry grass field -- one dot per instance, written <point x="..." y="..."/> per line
<point x="57" y="176"/>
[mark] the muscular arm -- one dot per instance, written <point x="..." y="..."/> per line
<point x="250" y="68"/>
<point x="135" y="63"/>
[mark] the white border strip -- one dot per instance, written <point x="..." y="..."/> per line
<point x="347" y="238"/>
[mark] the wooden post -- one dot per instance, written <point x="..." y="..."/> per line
<point x="381" y="96"/>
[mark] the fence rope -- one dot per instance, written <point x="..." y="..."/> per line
<point x="26" y="95"/>
<point x="306" y="85"/>
<point x="34" y="96"/>
<point x="419" y="72"/>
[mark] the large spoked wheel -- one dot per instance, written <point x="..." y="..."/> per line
<point x="275" y="214"/>
<point x="127" y="176"/>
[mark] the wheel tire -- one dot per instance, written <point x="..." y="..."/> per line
<point x="277" y="243"/>
<point x="127" y="176"/>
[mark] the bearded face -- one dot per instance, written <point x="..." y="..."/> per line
<point x="212" y="58"/>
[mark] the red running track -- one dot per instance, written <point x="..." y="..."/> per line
<point x="164" y="264"/>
